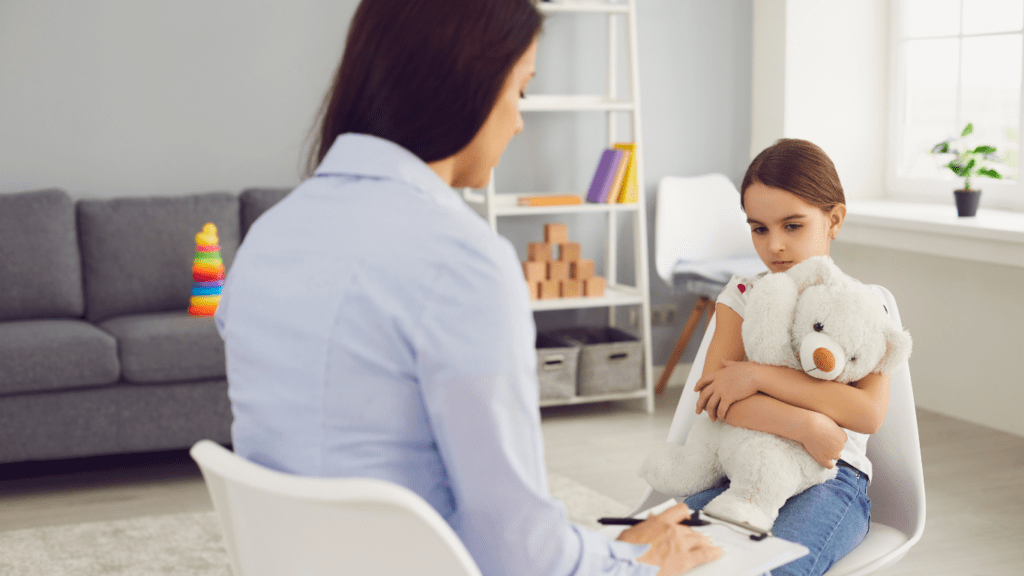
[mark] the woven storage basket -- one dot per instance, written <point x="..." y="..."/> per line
<point x="610" y="360"/>
<point x="557" y="361"/>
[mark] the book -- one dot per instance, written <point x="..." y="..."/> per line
<point x="603" y="176"/>
<point x="614" y="191"/>
<point x="549" y="200"/>
<point x="629" y="192"/>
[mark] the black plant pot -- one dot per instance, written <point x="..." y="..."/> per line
<point x="967" y="202"/>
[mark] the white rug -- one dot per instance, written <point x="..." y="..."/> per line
<point x="187" y="544"/>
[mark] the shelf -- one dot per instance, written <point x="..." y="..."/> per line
<point x="636" y="394"/>
<point x="600" y="7"/>
<point x="613" y="296"/>
<point x="992" y="237"/>
<point x="499" y="210"/>
<point x="505" y="204"/>
<point x="573" y="103"/>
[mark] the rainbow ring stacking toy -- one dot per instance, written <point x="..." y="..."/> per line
<point x="207" y="273"/>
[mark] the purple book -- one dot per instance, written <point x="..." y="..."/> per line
<point x="604" y="175"/>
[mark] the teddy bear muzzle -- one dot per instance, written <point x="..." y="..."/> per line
<point x="821" y="356"/>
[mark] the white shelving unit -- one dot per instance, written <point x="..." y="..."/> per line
<point x="493" y="205"/>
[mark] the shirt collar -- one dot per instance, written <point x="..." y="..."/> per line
<point x="369" y="156"/>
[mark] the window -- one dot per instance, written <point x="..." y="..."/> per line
<point x="955" y="62"/>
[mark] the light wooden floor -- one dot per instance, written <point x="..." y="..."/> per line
<point x="974" y="478"/>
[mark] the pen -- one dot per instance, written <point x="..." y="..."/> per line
<point x="619" y="521"/>
<point x="693" y="520"/>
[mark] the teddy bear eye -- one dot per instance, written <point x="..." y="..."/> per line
<point x="818" y="327"/>
<point x="853" y="359"/>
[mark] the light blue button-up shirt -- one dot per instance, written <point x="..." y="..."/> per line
<point x="375" y="326"/>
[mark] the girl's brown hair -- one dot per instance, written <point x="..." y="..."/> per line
<point x="424" y="74"/>
<point x="798" y="167"/>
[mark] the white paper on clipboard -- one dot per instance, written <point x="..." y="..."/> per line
<point x="742" y="557"/>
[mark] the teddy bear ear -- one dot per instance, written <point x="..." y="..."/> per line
<point x="814" y="271"/>
<point x="897" y="349"/>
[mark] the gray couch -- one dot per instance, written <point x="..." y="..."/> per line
<point x="98" y="354"/>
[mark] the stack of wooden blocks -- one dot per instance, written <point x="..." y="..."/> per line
<point x="567" y="277"/>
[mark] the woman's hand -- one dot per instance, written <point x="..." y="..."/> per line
<point x="722" y="388"/>
<point x="674" y="548"/>
<point x="823" y="439"/>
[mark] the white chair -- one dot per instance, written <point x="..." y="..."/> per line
<point x="275" y="523"/>
<point x="701" y="239"/>
<point x="897" y="480"/>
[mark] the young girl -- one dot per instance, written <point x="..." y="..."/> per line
<point x="795" y="207"/>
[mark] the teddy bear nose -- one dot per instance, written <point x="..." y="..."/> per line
<point x="824" y="360"/>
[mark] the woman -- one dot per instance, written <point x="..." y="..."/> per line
<point x="375" y="326"/>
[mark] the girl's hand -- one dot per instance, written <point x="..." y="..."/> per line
<point x="722" y="388"/>
<point x="824" y="439"/>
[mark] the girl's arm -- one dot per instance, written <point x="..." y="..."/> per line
<point x="726" y="381"/>
<point x="819" y="435"/>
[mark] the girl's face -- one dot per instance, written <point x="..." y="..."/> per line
<point x="473" y="163"/>
<point x="785" y="229"/>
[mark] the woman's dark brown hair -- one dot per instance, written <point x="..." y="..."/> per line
<point x="424" y="74"/>
<point x="799" y="167"/>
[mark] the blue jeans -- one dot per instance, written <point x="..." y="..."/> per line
<point x="830" y="519"/>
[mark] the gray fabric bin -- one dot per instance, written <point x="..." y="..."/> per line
<point x="610" y="360"/>
<point x="557" y="360"/>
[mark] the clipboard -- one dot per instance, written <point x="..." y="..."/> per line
<point x="749" y="551"/>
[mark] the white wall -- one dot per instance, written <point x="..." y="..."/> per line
<point x="967" y="321"/>
<point x="820" y="73"/>
<point x="966" y="317"/>
<point x="768" y="86"/>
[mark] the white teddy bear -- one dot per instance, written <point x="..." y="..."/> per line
<point x="814" y="318"/>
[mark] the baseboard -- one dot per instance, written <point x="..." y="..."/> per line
<point x="679" y="375"/>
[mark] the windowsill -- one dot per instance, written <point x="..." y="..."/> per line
<point x="993" y="236"/>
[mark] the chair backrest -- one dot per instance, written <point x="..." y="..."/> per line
<point x="897" y="484"/>
<point x="897" y="481"/>
<point x="696" y="219"/>
<point x="276" y="523"/>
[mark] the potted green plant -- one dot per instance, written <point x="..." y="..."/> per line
<point x="968" y="163"/>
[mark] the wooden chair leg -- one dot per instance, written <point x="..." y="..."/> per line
<point x="684" y="340"/>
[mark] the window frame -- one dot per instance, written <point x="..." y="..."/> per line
<point x="996" y="193"/>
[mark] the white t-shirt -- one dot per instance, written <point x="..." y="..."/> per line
<point x="734" y="296"/>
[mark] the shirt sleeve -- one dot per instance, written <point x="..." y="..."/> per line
<point x="476" y="364"/>
<point x="734" y="294"/>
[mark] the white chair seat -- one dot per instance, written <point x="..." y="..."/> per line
<point x="874" y="553"/>
<point x="709" y="277"/>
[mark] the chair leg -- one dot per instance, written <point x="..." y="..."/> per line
<point x="684" y="340"/>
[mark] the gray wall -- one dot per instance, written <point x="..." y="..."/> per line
<point x="696" y="98"/>
<point x="124" y="98"/>
<point x="119" y="97"/>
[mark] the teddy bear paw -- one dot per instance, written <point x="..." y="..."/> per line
<point x="742" y="510"/>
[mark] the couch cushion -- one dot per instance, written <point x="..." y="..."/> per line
<point x="71" y="424"/>
<point x="39" y="355"/>
<point x="167" y="347"/>
<point x="40" y="269"/>
<point x="137" y="252"/>
<point x="256" y="201"/>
